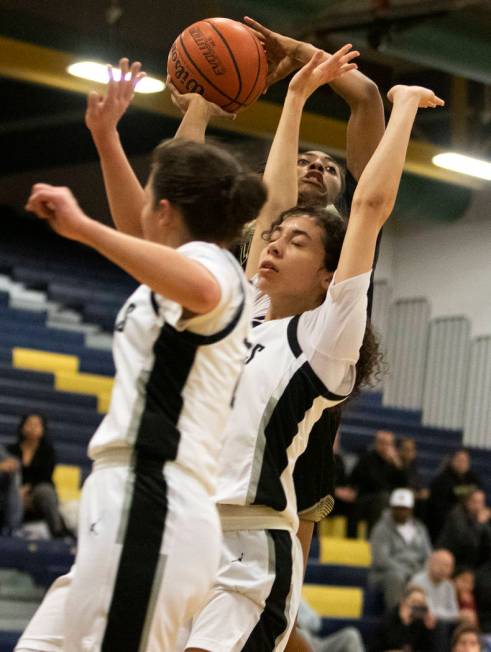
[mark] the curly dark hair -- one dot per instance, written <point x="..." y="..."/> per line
<point x="370" y="366"/>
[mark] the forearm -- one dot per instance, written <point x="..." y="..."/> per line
<point x="195" y="121"/>
<point x="163" y="269"/>
<point x="280" y="174"/>
<point x="379" y="183"/>
<point x="125" y="194"/>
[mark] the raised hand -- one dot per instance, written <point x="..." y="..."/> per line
<point x="59" y="208"/>
<point x="281" y="51"/>
<point x="426" y="97"/>
<point x="183" y="100"/>
<point x="105" y="111"/>
<point x="322" y="69"/>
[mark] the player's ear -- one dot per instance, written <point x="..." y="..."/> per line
<point x="165" y="213"/>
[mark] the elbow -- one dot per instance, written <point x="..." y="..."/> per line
<point x="369" y="92"/>
<point x="206" y="298"/>
<point x="374" y="205"/>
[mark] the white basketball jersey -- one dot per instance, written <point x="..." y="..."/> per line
<point x="175" y="378"/>
<point x="296" y="368"/>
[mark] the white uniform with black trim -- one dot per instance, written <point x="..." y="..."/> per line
<point x="149" y="535"/>
<point x="296" y="368"/>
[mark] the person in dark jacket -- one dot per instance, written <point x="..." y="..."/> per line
<point x="467" y="532"/>
<point x="448" y="489"/>
<point x="482" y="594"/>
<point x="377" y="473"/>
<point x="409" y="626"/>
<point x="37" y="459"/>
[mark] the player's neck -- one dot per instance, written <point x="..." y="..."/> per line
<point x="282" y="307"/>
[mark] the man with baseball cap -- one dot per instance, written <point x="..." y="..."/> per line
<point x="400" y="547"/>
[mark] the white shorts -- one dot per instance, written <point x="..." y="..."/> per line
<point x="148" y="552"/>
<point x="255" y="599"/>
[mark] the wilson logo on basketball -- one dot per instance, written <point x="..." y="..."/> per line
<point x="183" y="75"/>
<point x="207" y="47"/>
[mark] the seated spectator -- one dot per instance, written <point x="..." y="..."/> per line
<point x="467" y="531"/>
<point x="409" y="626"/>
<point x="10" y="497"/>
<point x="309" y="624"/>
<point x="400" y="547"/>
<point x="466" y="638"/>
<point x="464" y="587"/>
<point x="482" y="593"/>
<point x="408" y="455"/>
<point x="375" y="475"/>
<point x="440" y="591"/>
<point x="455" y="482"/>
<point x="345" y="495"/>
<point x="37" y="460"/>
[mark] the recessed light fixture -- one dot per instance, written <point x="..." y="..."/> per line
<point x="464" y="164"/>
<point x="97" y="72"/>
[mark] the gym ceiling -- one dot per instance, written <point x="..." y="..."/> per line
<point x="444" y="44"/>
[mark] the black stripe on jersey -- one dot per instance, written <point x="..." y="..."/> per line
<point x="139" y="559"/>
<point x="279" y="432"/>
<point x="314" y="470"/>
<point x="174" y="353"/>
<point x="307" y="369"/>
<point x="154" y="303"/>
<point x="273" y="621"/>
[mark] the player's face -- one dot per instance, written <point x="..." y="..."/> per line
<point x="292" y="265"/>
<point x="319" y="179"/>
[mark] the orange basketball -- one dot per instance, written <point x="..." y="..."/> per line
<point x="221" y="59"/>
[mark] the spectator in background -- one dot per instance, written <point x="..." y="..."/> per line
<point x="464" y="587"/>
<point x="455" y="482"/>
<point x="344" y="494"/>
<point x="408" y="455"/>
<point x="409" y="626"/>
<point x="482" y="593"/>
<point x="440" y="591"/>
<point x="375" y="475"/>
<point x="466" y="638"/>
<point x="400" y="547"/>
<point x="467" y="531"/>
<point x="37" y="461"/>
<point x="309" y="624"/>
<point x="10" y="497"/>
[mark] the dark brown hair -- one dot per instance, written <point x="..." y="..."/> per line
<point x="215" y="194"/>
<point x="369" y="367"/>
<point x="465" y="629"/>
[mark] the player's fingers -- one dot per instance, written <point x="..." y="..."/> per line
<point x="349" y="56"/>
<point x="438" y="101"/>
<point x="315" y="60"/>
<point x="342" y="51"/>
<point x="258" y="35"/>
<point x="257" y="26"/>
<point x="112" y="86"/>
<point x="93" y="99"/>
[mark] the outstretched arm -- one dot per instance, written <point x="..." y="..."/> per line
<point x="124" y="191"/>
<point x="376" y="192"/>
<point x="366" y="123"/>
<point x="165" y="270"/>
<point x="280" y="174"/>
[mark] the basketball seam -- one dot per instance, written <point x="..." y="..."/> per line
<point x="258" y="65"/>
<point x="231" y="56"/>
<point x="203" y="75"/>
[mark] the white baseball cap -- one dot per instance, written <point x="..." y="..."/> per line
<point x="402" y="498"/>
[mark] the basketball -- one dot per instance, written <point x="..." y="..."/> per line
<point x="222" y="60"/>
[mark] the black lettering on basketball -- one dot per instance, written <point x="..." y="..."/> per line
<point x="207" y="47"/>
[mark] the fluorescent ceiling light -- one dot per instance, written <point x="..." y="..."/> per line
<point x="97" y="72"/>
<point x="464" y="164"/>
